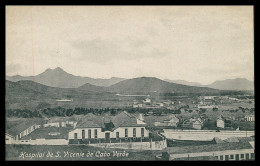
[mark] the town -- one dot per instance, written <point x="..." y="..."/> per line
<point x="151" y="125"/>
<point x="150" y="83"/>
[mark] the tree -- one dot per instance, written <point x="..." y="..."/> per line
<point x="215" y="109"/>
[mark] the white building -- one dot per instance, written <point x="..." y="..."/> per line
<point x="221" y="122"/>
<point x="15" y="130"/>
<point x="120" y="127"/>
<point x="250" y="118"/>
<point x="61" y="122"/>
<point x="147" y="100"/>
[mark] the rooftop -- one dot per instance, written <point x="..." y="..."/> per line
<point x="209" y="148"/>
<point x="123" y="119"/>
<point x="15" y="127"/>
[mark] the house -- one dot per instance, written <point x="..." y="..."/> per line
<point x="147" y="100"/>
<point x="224" y="122"/>
<point x="198" y="124"/>
<point x="243" y="150"/>
<point x="171" y="120"/>
<point x="207" y="97"/>
<point x="137" y="105"/>
<point x="250" y="118"/>
<point x="122" y="127"/>
<point x="17" y="129"/>
<point x="221" y="122"/>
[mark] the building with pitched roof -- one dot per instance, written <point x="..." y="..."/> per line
<point x="170" y="120"/>
<point x="17" y="129"/>
<point x="122" y="127"/>
<point x="242" y="150"/>
<point x="61" y="122"/>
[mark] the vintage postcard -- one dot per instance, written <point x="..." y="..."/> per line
<point x="130" y="83"/>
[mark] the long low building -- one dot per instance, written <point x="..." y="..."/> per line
<point x="243" y="150"/>
<point x="17" y="129"/>
<point x="204" y="135"/>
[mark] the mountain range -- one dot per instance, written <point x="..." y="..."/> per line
<point x="61" y="79"/>
<point x="236" y="84"/>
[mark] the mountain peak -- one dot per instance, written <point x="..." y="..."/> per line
<point x="58" y="69"/>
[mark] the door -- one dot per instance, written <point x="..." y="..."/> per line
<point x="247" y="156"/>
<point x="107" y="135"/>
<point x="237" y="156"/>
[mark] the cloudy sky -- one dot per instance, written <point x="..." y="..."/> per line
<point x="193" y="43"/>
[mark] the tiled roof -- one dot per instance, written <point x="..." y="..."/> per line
<point x="90" y="121"/>
<point x="16" y="127"/>
<point x="232" y="139"/>
<point x="218" y="140"/>
<point x="246" y="139"/>
<point x="122" y="119"/>
<point x="209" y="148"/>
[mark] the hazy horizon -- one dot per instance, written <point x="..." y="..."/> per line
<point x="126" y="78"/>
<point x="192" y="43"/>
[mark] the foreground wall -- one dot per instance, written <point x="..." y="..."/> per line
<point x="42" y="142"/>
<point x="204" y="135"/>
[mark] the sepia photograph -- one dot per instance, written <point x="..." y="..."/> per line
<point x="151" y="83"/>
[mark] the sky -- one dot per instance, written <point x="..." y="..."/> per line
<point x="193" y="43"/>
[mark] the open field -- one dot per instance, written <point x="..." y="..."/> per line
<point x="74" y="152"/>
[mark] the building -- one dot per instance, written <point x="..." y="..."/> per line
<point x="17" y="129"/>
<point x="250" y="118"/>
<point x="61" y="122"/>
<point x="204" y="135"/>
<point x="147" y="100"/>
<point x="223" y="151"/>
<point x="122" y="127"/>
<point x="159" y="104"/>
<point x="221" y="122"/>
<point x="242" y="148"/>
<point x="171" y="120"/>
<point x="198" y="124"/>
<point x="137" y="105"/>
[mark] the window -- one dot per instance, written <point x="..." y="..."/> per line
<point x="83" y="134"/>
<point x="134" y="132"/>
<point x="126" y="133"/>
<point x="89" y="133"/>
<point x="242" y="156"/>
<point x="95" y="133"/>
<point x="142" y="132"/>
<point x="231" y="156"/>
<point x="226" y="157"/>
<point x="75" y="135"/>
<point x="221" y="157"/>
<point x="117" y="135"/>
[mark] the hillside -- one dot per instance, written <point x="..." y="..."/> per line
<point x="155" y="85"/>
<point x="59" y="78"/>
<point x="183" y="82"/>
<point x="233" y="84"/>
